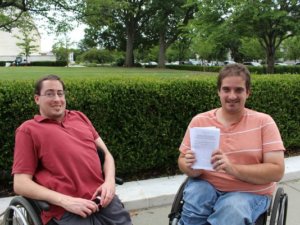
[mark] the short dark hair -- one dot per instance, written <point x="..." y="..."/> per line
<point x="39" y="84"/>
<point x="235" y="69"/>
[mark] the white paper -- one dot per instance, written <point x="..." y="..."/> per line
<point x="204" y="140"/>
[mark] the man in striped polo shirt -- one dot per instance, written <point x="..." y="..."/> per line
<point x="246" y="166"/>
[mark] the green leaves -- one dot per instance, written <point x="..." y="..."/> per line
<point x="143" y="120"/>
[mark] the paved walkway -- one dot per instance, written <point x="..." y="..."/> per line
<point x="160" y="191"/>
<point x="156" y="195"/>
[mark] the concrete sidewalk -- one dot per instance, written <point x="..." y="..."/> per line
<point x="159" y="192"/>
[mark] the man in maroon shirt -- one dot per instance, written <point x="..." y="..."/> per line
<point x="56" y="160"/>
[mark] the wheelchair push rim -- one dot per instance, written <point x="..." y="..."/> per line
<point x="279" y="209"/>
<point x="176" y="209"/>
<point x="21" y="212"/>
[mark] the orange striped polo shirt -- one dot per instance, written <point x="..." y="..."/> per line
<point x="243" y="143"/>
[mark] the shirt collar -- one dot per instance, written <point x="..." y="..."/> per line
<point x="40" y="118"/>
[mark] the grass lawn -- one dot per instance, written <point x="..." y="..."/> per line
<point x="34" y="73"/>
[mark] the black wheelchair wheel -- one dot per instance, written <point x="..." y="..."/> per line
<point x="176" y="209"/>
<point x="262" y="219"/>
<point x="279" y="209"/>
<point x="21" y="212"/>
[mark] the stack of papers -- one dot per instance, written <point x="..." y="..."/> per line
<point x="204" y="140"/>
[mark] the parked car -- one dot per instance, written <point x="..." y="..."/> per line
<point x="152" y="63"/>
<point x="252" y="63"/>
<point x="281" y="64"/>
<point x="19" y="61"/>
<point x="229" y="62"/>
<point x="175" y="63"/>
<point x="195" y="62"/>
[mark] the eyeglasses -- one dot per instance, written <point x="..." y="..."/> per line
<point x="52" y="94"/>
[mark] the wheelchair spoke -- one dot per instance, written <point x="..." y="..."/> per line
<point x="20" y="216"/>
<point x="26" y="216"/>
<point x="20" y="212"/>
<point x="17" y="216"/>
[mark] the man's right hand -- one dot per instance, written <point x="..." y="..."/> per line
<point x="185" y="162"/>
<point x="189" y="158"/>
<point x="25" y="186"/>
<point x="79" y="206"/>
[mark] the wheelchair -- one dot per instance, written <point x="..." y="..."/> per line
<point x="275" y="215"/>
<point x="26" y="211"/>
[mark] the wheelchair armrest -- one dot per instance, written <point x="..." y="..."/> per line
<point x="101" y="155"/>
<point x="39" y="205"/>
<point x="119" y="181"/>
<point x="43" y="205"/>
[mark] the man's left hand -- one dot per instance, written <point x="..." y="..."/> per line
<point x="107" y="192"/>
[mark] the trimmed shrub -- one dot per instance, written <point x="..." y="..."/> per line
<point x="253" y="69"/>
<point x="287" y="69"/>
<point x="48" y="63"/>
<point x="143" y="121"/>
<point x="2" y="63"/>
<point x="39" y="63"/>
<point x="120" y="62"/>
<point x="195" y="68"/>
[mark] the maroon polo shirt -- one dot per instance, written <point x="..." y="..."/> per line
<point x="61" y="156"/>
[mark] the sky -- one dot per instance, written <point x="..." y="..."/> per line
<point x="48" y="40"/>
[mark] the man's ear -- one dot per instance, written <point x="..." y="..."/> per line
<point x="248" y="93"/>
<point x="37" y="99"/>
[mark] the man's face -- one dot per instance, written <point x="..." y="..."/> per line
<point x="51" y="100"/>
<point x="233" y="94"/>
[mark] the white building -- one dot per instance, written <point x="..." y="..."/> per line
<point x="9" y="49"/>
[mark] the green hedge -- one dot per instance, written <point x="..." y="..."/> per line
<point x="40" y="63"/>
<point x="48" y="63"/>
<point x="143" y="121"/>
<point x="195" y="68"/>
<point x="253" y="69"/>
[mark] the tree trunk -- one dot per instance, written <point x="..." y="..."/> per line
<point x="26" y="56"/>
<point x="270" y="58"/>
<point x="129" y="60"/>
<point x="162" y="50"/>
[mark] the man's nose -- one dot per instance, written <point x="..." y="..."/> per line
<point x="232" y="95"/>
<point x="56" y="96"/>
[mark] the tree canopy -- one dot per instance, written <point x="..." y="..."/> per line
<point x="142" y="26"/>
<point x="270" y="22"/>
<point x="27" y="38"/>
<point x="55" y="11"/>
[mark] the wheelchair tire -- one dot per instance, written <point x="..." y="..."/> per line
<point x="279" y="209"/>
<point x="262" y="219"/>
<point x="21" y="212"/>
<point x="176" y="209"/>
